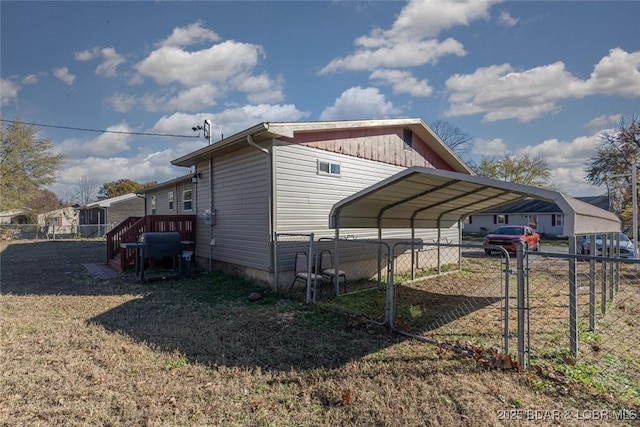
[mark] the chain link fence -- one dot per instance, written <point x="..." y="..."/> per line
<point x="458" y="295"/>
<point x="606" y="335"/>
<point x="11" y="232"/>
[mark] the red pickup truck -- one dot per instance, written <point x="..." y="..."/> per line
<point x="508" y="235"/>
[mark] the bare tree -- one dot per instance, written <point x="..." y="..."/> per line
<point x="86" y="191"/>
<point x="619" y="148"/>
<point x="457" y="139"/>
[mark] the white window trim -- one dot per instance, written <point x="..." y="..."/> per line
<point x="170" y="200"/>
<point x="329" y="168"/>
<point x="184" y="200"/>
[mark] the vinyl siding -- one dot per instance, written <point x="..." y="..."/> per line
<point x="162" y="200"/>
<point x="241" y="203"/>
<point x="304" y="198"/>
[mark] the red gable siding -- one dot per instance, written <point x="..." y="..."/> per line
<point x="379" y="144"/>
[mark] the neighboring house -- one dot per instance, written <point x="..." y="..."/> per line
<point x="63" y="221"/>
<point x="13" y="217"/>
<point x="99" y="217"/>
<point x="285" y="178"/>
<point x="545" y="217"/>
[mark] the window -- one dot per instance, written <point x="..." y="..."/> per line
<point x="556" y="220"/>
<point x="328" y="168"/>
<point x="500" y="219"/>
<point x="153" y="204"/>
<point x="407" y="137"/>
<point x="170" y="199"/>
<point x="186" y="200"/>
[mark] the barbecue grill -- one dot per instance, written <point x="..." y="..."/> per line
<point x="156" y="246"/>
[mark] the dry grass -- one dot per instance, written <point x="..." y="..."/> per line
<point x="82" y="351"/>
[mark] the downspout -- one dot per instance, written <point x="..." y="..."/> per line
<point x="270" y="196"/>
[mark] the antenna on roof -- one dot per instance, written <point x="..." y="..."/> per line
<point x="207" y="130"/>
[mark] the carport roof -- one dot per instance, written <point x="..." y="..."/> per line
<point x="420" y="197"/>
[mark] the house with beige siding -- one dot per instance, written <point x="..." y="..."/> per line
<point x="285" y="178"/>
<point x="97" y="218"/>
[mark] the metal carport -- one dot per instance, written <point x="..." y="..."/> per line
<point x="421" y="197"/>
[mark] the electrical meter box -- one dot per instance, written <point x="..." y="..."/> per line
<point x="210" y="216"/>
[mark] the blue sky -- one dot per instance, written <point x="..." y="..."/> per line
<point x="542" y="77"/>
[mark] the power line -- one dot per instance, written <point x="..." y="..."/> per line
<point x="101" y="130"/>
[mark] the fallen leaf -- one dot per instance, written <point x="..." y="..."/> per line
<point x="346" y="396"/>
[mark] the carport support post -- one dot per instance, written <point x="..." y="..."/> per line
<point x="522" y="309"/>
<point x="573" y="298"/>
<point x="389" y="314"/>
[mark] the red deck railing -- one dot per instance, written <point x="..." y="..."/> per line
<point x="132" y="228"/>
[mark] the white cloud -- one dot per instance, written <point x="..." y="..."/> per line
<point x="261" y="89"/>
<point x="411" y="39"/>
<point x="616" y="74"/>
<point x="420" y="19"/>
<point x="8" y="91"/>
<point x="402" y="82"/>
<point x="500" y="92"/>
<point x="571" y="154"/>
<point x="207" y="74"/>
<point x="106" y="144"/>
<point x="396" y="54"/>
<point x="489" y="147"/>
<point x="192" y="99"/>
<point x="359" y="103"/>
<point x="31" y="79"/>
<point x="217" y="64"/>
<point x="601" y="122"/>
<point x="506" y="19"/>
<point x="122" y="102"/>
<point x="191" y="34"/>
<point x="64" y="75"/>
<point x="110" y="59"/>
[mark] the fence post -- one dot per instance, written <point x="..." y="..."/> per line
<point x="592" y="295"/>
<point x="573" y="297"/>
<point x="522" y="309"/>
<point x="507" y="272"/>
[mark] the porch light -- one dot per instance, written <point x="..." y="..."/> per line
<point x="196" y="177"/>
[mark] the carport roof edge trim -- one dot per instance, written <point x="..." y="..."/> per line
<point x="366" y="207"/>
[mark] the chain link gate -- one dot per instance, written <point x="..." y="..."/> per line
<point x="455" y="294"/>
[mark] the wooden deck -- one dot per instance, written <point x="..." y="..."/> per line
<point x="131" y="229"/>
